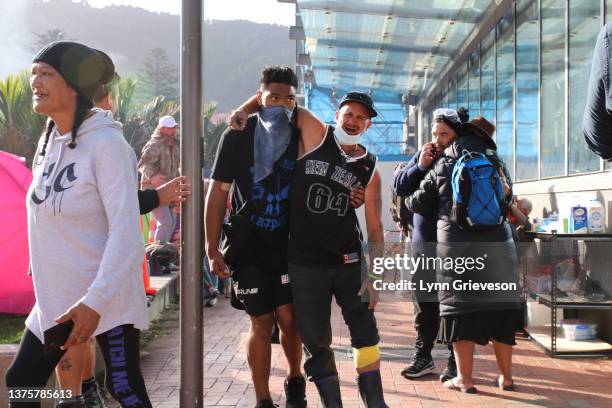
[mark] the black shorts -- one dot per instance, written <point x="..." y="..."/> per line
<point x="262" y="285"/>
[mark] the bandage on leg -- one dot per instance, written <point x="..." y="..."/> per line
<point x="365" y="356"/>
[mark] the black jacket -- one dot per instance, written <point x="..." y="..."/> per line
<point x="597" y="120"/>
<point x="405" y="182"/>
<point x="494" y="247"/>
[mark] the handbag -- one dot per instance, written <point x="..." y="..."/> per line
<point x="237" y="232"/>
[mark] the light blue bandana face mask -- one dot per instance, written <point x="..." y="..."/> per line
<point x="272" y="137"/>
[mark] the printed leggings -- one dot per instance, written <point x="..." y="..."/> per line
<point x="120" y="347"/>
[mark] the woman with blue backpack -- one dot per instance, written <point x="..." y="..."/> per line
<point x="475" y="254"/>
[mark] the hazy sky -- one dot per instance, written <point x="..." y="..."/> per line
<point x="16" y="39"/>
<point x="259" y="11"/>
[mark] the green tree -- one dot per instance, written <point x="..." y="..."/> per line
<point x="141" y="124"/>
<point x="20" y="126"/>
<point x="124" y="98"/>
<point x="212" y="134"/>
<point x="49" y="36"/>
<point x="158" y="76"/>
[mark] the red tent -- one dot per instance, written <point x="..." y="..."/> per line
<point x="16" y="290"/>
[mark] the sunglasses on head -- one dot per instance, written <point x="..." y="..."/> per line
<point x="448" y="114"/>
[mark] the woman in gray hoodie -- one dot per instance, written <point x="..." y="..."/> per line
<point x="84" y="235"/>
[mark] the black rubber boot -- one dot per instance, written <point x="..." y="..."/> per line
<point x="370" y="389"/>
<point x="329" y="391"/>
<point x="75" y="402"/>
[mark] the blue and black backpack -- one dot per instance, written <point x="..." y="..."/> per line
<point x="478" y="193"/>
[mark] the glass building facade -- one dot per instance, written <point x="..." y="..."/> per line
<point x="528" y="75"/>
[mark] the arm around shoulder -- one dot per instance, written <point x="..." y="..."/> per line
<point x="311" y="128"/>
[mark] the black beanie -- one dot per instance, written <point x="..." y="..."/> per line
<point x="82" y="67"/>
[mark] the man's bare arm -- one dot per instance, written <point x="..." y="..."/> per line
<point x="311" y="128"/>
<point x="373" y="216"/>
<point x="239" y="116"/>
<point x="216" y="202"/>
<point x="373" y="211"/>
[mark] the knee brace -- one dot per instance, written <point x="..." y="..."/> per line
<point x="365" y="356"/>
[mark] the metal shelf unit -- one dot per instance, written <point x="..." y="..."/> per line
<point x="550" y="337"/>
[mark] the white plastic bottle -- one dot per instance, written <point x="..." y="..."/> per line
<point x="596" y="217"/>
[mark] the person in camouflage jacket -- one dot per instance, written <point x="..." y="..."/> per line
<point x="158" y="164"/>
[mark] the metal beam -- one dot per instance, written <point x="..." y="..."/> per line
<point x="349" y="83"/>
<point x="304" y="59"/>
<point x="464" y="15"/>
<point x="316" y="60"/>
<point x="191" y="346"/>
<point x="436" y="50"/>
<point x="380" y="70"/>
<point x="297" y="33"/>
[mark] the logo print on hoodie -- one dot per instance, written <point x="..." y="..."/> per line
<point x="64" y="176"/>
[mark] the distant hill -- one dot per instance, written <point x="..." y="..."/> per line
<point x="235" y="51"/>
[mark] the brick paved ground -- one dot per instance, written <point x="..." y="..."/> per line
<point x="541" y="381"/>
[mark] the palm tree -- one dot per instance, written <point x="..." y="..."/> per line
<point x="212" y="134"/>
<point x="125" y="97"/>
<point x="139" y="125"/>
<point x="20" y="126"/>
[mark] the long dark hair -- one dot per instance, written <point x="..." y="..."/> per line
<point x="79" y="117"/>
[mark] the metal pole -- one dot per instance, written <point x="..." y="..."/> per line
<point x="191" y="212"/>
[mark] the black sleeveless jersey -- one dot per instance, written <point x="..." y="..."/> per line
<point x="324" y="229"/>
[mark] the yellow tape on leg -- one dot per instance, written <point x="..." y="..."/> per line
<point x="366" y="355"/>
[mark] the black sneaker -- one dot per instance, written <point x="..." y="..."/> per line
<point x="419" y="367"/>
<point x="93" y="397"/>
<point x="450" y="371"/>
<point x="266" y="404"/>
<point x="295" y="391"/>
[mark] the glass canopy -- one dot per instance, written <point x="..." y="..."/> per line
<point x="385" y="45"/>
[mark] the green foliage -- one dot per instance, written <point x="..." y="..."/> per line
<point x="124" y="97"/>
<point x="48" y="37"/>
<point x="158" y="76"/>
<point x="20" y="127"/>
<point x="212" y="134"/>
<point x="142" y="123"/>
<point x="11" y="328"/>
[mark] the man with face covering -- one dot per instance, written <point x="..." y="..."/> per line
<point x="259" y="163"/>
<point x="325" y="241"/>
<point x="325" y="255"/>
